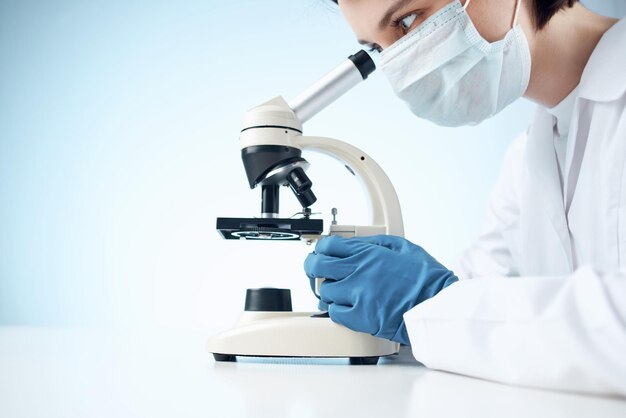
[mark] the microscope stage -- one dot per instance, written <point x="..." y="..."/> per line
<point x="283" y="229"/>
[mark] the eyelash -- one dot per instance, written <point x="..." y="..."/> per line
<point x="397" y="23"/>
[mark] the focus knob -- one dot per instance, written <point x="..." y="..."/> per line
<point x="268" y="299"/>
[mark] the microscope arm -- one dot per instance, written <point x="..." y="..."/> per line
<point x="385" y="206"/>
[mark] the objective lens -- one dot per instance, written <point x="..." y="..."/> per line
<point x="301" y="186"/>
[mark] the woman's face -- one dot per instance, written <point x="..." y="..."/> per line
<point x="380" y="23"/>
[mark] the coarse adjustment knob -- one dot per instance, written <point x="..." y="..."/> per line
<point x="268" y="299"/>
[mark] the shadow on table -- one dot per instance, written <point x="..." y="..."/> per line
<point x="398" y="386"/>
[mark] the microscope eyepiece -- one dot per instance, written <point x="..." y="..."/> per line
<point x="364" y="63"/>
<point x="301" y="186"/>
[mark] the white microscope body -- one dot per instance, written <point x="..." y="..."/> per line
<point x="271" y="142"/>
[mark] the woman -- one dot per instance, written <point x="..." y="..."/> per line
<point x="546" y="306"/>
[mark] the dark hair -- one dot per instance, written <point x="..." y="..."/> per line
<point x="544" y="10"/>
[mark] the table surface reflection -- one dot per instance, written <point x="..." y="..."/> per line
<point x="57" y="372"/>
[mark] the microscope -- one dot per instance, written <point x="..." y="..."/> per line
<point x="272" y="143"/>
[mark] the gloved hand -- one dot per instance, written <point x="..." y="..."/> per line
<point x="372" y="281"/>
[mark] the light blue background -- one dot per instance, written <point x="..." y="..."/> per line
<point x="119" y="129"/>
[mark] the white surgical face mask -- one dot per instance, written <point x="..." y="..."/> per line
<point x="447" y="73"/>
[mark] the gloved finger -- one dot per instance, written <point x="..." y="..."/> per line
<point x="346" y="316"/>
<point x="322" y="306"/>
<point x="336" y="292"/>
<point x="391" y="242"/>
<point x="313" y="287"/>
<point x="327" y="267"/>
<point x="337" y="246"/>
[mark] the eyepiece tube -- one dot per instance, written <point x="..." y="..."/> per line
<point x="333" y="85"/>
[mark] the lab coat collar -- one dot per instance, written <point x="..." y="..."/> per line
<point x="604" y="77"/>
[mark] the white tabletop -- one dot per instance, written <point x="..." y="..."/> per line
<point x="52" y="372"/>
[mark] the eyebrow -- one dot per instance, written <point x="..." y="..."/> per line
<point x="386" y="18"/>
<point x="390" y="12"/>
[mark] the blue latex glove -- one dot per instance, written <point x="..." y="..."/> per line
<point x="372" y="281"/>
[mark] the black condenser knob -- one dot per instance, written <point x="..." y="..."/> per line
<point x="268" y="299"/>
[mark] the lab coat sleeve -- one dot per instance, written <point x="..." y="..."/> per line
<point x="490" y="255"/>
<point x="565" y="333"/>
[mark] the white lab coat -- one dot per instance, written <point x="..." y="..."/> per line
<point x="546" y="303"/>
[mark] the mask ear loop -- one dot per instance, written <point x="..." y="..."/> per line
<point x="459" y="11"/>
<point x="517" y="9"/>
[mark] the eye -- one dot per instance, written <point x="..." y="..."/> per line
<point x="374" y="48"/>
<point x="405" y="24"/>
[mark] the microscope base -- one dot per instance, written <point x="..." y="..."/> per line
<point x="297" y="334"/>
